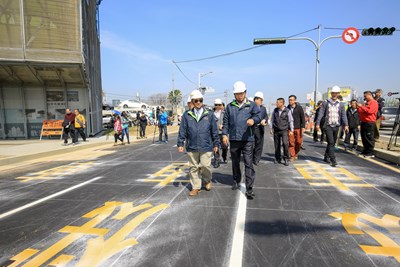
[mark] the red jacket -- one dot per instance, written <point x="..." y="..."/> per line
<point x="369" y="111"/>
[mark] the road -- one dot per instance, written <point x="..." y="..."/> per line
<point x="128" y="206"/>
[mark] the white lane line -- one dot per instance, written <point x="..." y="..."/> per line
<point x="236" y="257"/>
<point x="11" y="212"/>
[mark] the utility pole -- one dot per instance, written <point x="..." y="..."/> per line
<point x="226" y="96"/>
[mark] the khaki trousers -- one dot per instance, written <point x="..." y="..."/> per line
<point x="199" y="168"/>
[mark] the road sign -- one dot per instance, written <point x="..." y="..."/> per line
<point x="350" y="35"/>
<point x="389" y="93"/>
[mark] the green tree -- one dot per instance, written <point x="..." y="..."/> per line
<point x="175" y="97"/>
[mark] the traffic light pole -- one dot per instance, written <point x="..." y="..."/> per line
<point x="317" y="49"/>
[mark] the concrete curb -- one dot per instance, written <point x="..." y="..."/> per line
<point x="19" y="159"/>
<point x="390" y="156"/>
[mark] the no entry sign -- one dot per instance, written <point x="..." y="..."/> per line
<point x="350" y="35"/>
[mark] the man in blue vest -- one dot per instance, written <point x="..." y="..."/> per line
<point x="240" y="117"/>
<point x="162" y="125"/>
<point x="199" y="129"/>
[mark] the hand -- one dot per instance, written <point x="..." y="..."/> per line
<point x="215" y="149"/>
<point x="317" y="128"/>
<point x="359" y="105"/>
<point x="346" y="129"/>
<point x="358" y="127"/>
<point x="180" y="149"/>
<point x="220" y="127"/>
<point x="225" y="140"/>
<point x="250" y="122"/>
<point x="263" y="122"/>
<point x="290" y="133"/>
<point x="303" y="130"/>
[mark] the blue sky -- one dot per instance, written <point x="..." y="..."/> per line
<point x="139" y="40"/>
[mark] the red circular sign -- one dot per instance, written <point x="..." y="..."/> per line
<point x="350" y="35"/>
<point x="389" y="93"/>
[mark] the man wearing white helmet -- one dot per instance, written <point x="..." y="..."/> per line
<point x="259" y="128"/>
<point x="240" y="117"/>
<point x="189" y="103"/>
<point x="333" y="111"/>
<point x="219" y="118"/>
<point x="199" y="129"/>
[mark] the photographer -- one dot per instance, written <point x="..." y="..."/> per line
<point x="368" y="113"/>
<point x="162" y="125"/>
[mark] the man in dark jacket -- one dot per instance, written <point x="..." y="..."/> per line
<point x="381" y="104"/>
<point x="199" y="129"/>
<point x="315" y="133"/>
<point x="240" y="117"/>
<point x="259" y="128"/>
<point x="299" y="124"/>
<point x="69" y="126"/>
<point x="281" y="126"/>
<point x="335" y="115"/>
<point x="353" y="119"/>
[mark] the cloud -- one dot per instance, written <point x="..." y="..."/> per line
<point x="118" y="44"/>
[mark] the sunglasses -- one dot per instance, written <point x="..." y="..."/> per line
<point x="198" y="100"/>
<point x="218" y="105"/>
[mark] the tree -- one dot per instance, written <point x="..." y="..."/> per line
<point x="158" y="99"/>
<point x="175" y="97"/>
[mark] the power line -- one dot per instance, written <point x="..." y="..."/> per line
<point x="184" y="75"/>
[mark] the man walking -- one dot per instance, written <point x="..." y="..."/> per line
<point x="354" y="125"/>
<point x="240" y="117"/>
<point x="69" y="126"/>
<point x="199" y="129"/>
<point x="299" y="124"/>
<point x="162" y="125"/>
<point x="80" y="125"/>
<point x="259" y="128"/>
<point x="281" y="126"/>
<point x="381" y="104"/>
<point x="219" y="118"/>
<point x="315" y="133"/>
<point x="335" y="115"/>
<point x="368" y="113"/>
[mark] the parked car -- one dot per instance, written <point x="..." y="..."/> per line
<point x="136" y="104"/>
<point x="107" y="107"/>
<point x="388" y="116"/>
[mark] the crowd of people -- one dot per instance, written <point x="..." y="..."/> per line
<point x="239" y="127"/>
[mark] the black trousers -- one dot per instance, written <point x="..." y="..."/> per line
<point x="315" y="134"/>
<point x="237" y="148"/>
<point x="331" y="137"/>
<point x="223" y="148"/>
<point x="142" y="130"/>
<point x="81" y="132"/>
<point x="367" y="137"/>
<point x="69" y="131"/>
<point x="352" y="132"/>
<point x="281" y="137"/>
<point x="258" y="143"/>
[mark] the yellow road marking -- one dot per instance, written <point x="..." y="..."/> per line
<point x="23" y="256"/>
<point x="336" y="177"/>
<point x="353" y="225"/>
<point x="170" y="172"/>
<point x="62" y="260"/>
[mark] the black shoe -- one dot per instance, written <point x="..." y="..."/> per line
<point x="333" y="163"/>
<point x="216" y="163"/>
<point x="286" y="162"/>
<point x="235" y="185"/>
<point x="327" y="160"/>
<point x="302" y="148"/>
<point x="276" y="161"/>
<point x="250" y="194"/>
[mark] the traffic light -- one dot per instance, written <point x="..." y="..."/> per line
<point x="378" y="31"/>
<point x="260" y="41"/>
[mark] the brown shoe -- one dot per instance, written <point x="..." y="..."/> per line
<point x="292" y="159"/>
<point x="208" y="186"/>
<point x="194" y="192"/>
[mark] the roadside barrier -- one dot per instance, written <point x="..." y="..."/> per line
<point x="51" y="127"/>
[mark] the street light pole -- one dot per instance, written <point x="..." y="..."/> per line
<point x="199" y="79"/>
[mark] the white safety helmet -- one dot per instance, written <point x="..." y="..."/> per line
<point x="218" y="101"/>
<point x="189" y="99"/>
<point x="335" y="89"/>
<point x="239" y="87"/>
<point x="196" y="94"/>
<point x="251" y="99"/>
<point x="259" y="95"/>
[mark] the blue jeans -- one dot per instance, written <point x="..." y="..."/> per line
<point x="354" y="132"/>
<point x="163" y="129"/>
<point x="125" y="131"/>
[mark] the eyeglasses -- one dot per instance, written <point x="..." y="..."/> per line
<point x="218" y="105"/>
<point x="198" y="100"/>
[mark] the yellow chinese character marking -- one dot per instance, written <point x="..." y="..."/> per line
<point x="97" y="249"/>
<point x="55" y="172"/>
<point x="337" y="177"/>
<point x="354" y="225"/>
<point x="170" y="172"/>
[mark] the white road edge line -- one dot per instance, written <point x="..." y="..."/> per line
<point x="236" y="257"/>
<point x="11" y="212"/>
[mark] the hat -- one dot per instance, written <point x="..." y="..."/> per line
<point x="259" y="95"/>
<point x="116" y="112"/>
<point x="239" y="87"/>
<point x="189" y="99"/>
<point x="251" y="99"/>
<point x="335" y="89"/>
<point x="195" y="94"/>
<point x="218" y="101"/>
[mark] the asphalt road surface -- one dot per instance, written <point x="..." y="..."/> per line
<point x="129" y="206"/>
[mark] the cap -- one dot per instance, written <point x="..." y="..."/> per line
<point x="195" y="94"/>
<point x="189" y="99"/>
<point x="335" y="89"/>
<point x="218" y="101"/>
<point x="260" y="95"/>
<point x="239" y="87"/>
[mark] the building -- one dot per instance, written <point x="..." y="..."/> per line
<point x="49" y="60"/>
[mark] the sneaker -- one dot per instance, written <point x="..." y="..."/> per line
<point x="333" y="163"/>
<point x="235" y="185"/>
<point x="74" y="144"/>
<point x="327" y="160"/>
<point x="158" y="142"/>
<point x="368" y="156"/>
<point x="285" y="162"/>
<point x="166" y="142"/>
<point x="250" y="194"/>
